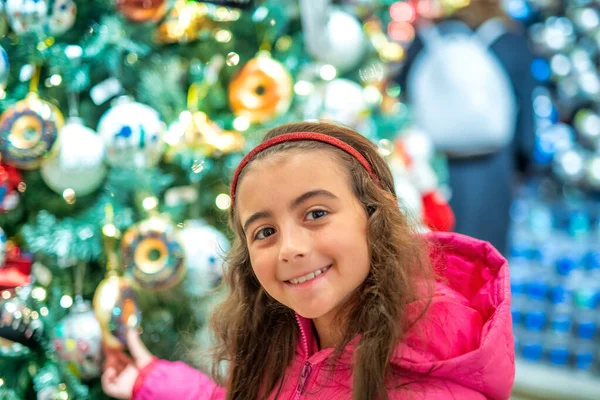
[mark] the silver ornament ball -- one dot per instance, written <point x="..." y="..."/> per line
<point x="78" y="341"/>
<point x="205" y="249"/>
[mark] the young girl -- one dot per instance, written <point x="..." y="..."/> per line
<point x="333" y="296"/>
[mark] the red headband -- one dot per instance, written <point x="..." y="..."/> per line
<point x="291" y="137"/>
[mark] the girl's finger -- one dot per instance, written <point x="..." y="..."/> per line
<point x="138" y="350"/>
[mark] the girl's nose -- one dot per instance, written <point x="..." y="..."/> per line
<point x="295" y="244"/>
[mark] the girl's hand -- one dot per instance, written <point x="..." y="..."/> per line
<point x="120" y="370"/>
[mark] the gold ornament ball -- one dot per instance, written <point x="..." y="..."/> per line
<point x="29" y="132"/>
<point x="261" y="90"/>
<point x="116" y="309"/>
<point x="204" y="134"/>
<point x="142" y="10"/>
<point x="185" y="23"/>
<point x="153" y="255"/>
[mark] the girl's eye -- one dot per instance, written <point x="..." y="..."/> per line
<point x="264" y="233"/>
<point x="316" y="214"/>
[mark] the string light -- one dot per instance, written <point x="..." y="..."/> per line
<point x="328" y="72"/>
<point x="241" y="124"/>
<point x="401" y="31"/>
<point x="402" y="12"/>
<point x="223" y="201"/>
<point x="39" y="293"/>
<point x="66" y="301"/>
<point x="303" y="88"/>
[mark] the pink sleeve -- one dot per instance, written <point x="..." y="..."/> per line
<point x="175" y="380"/>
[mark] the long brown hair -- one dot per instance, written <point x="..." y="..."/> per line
<point x="257" y="336"/>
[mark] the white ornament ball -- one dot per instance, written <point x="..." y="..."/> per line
<point x="62" y="17"/>
<point x="205" y="249"/>
<point x="27" y="15"/>
<point x="340" y="100"/>
<point x="346" y="43"/>
<point x="2" y="247"/>
<point x="132" y="133"/>
<point x="4" y="68"/>
<point x="79" y="164"/>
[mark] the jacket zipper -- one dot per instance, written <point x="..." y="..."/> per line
<point x="304" y="374"/>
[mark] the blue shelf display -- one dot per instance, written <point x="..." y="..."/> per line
<point x="555" y="279"/>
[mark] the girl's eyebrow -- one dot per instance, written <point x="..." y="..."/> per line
<point x="313" y="193"/>
<point x="256" y="216"/>
<point x="297" y="202"/>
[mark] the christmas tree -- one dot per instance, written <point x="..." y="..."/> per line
<point x="122" y="122"/>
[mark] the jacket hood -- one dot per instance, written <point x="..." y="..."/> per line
<point x="465" y="335"/>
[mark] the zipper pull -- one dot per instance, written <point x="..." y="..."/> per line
<point x="303" y="376"/>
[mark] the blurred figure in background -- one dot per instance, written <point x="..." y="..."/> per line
<point x="467" y="78"/>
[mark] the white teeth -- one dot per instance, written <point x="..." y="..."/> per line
<point x="308" y="277"/>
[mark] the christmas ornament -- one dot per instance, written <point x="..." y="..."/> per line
<point x="79" y="164"/>
<point x="18" y="322"/>
<point x="197" y="136"/>
<point x="116" y="309"/>
<point x="152" y="254"/>
<point x="114" y="301"/>
<point x="10" y="179"/>
<point x="142" y="10"/>
<point x="261" y="90"/>
<point x="332" y="36"/>
<point x="27" y="15"/>
<point x="132" y="133"/>
<point x="28" y="131"/>
<point x="62" y="17"/>
<point x="186" y="21"/>
<point x="205" y="248"/>
<point x="4" y="68"/>
<point x="339" y="100"/>
<point x="345" y="39"/>
<point x="16" y="270"/>
<point x="77" y="341"/>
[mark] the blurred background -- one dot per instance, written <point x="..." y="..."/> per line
<point x="122" y="121"/>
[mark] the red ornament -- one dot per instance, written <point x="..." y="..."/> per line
<point x="10" y="181"/>
<point x="16" y="269"/>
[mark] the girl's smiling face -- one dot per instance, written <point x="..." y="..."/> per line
<point x="305" y="229"/>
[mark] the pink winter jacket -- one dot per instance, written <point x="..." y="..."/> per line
<point x="461" y="349"/>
